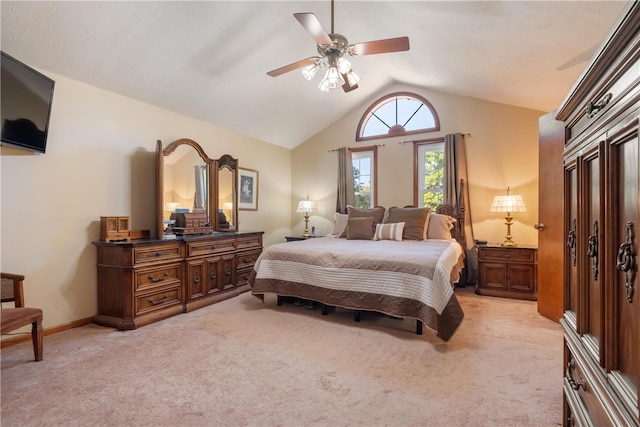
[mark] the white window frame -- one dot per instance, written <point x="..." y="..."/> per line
<point x="421" y="148"/>
<point x="366" y="153"/>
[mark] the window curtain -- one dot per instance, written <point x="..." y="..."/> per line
<point x="345" y="181"/>
<point x="456" y="194"/>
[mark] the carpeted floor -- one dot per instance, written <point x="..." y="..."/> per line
<point x="242" y="362"/>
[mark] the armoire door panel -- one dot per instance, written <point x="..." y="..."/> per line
<point x="593" y="239"/>
<point x="623" y="263"/>
<point x="571" y="250"/>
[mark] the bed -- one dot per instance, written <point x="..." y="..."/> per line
<point x="402" y="273"/>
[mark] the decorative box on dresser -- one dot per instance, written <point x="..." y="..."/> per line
<point x="142" y="281"/>
<point x="507" y="271"/>
<point x="601" y="320"/>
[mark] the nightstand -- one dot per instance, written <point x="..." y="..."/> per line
<point x="509" y="272"/>
<point x="295" y="238"/>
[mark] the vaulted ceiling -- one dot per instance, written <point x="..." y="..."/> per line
<point x="208" y="60"/>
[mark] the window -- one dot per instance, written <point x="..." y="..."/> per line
<point x="399" y="113"/>
<point x="429" y="173"/>
<point x="364" y="176"/>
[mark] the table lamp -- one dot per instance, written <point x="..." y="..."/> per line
<point x="509" y="204"/>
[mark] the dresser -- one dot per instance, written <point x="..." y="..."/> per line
<point x="601" y="319"/>
<point x="507" y="271"/>
<point x="143" y="281"/>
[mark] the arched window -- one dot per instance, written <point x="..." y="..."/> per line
<point x="400" y="113"/>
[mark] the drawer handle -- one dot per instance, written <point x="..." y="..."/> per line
<point x="572" y="382"/>
<point x="212" y="247"/>
<point x="196" y="279"/>
<point x="594" y="107"/>
<point x="626" y="261"/>
<point x="228" y="271"/>
<point x="212" y="275"/>
<point x="160" y="301"/>
<point x="160" y="253"/>
<point x="158" y="279"/>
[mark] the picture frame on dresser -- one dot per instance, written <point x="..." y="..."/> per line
<point x="248" y="185"/>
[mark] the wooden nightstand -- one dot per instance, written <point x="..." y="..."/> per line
<point x="509" y="272"/>
<point x="295" y="238"/>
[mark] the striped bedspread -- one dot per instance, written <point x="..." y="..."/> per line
<point x="409" y="279"/>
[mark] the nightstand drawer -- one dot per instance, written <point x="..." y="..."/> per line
<point x="506" y="254"/>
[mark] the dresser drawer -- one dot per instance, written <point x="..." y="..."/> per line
<point x="148" y="254"/>
<point x="158" y="300"/>
<point x="209" y="247"/>
<point x="158" y="276"/>
<point x="242" y="276"/>
<point x="247" y="259"/>
<point x="247" y="242"/>
<point x="504" y="254"/>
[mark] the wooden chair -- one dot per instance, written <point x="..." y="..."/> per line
<point x="14" y="318"/>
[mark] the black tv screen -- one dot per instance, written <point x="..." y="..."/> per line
<point x="26" y="97"/>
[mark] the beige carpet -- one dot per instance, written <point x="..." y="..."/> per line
<point x="245" y="363"/>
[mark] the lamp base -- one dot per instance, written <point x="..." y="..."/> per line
<point x="306" y="226"/>
<point x="508" y="242"/>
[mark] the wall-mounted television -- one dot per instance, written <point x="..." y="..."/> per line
<point x="26" y="98"/>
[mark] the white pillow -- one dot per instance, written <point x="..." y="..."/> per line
<point x="440" y="226"/>
<point x="339" y="224"/>
<point x="390" y="231"/>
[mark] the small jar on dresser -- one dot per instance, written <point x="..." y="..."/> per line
<point x="508" y="271"/>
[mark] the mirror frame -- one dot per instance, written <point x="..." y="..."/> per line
<point x="212" y="201"/>
<point x="231" y="163"/>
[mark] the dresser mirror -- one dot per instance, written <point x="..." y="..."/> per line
<point x="227" y="193"/>
<point x="185" y="182"/>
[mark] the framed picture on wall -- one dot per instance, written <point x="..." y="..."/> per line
<point x="248" y="188"/>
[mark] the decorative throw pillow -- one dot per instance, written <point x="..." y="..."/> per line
<point x="415" y="220"/>
<point x="376" y="213"/>
<point x="359" y="228"/>
<point x="440" y="226"/>
<point x="391" y="231"/>
<point x="339" y="224"/>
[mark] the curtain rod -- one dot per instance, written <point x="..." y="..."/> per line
<point x="336" y="149"/>
<point x="430" y="139"/>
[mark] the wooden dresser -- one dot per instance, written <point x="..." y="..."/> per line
<point x="142" y="281"/>
<point x="509" y="272"/>
<point x="601" y="318"/>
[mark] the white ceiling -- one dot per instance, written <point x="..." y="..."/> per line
<point x="208" y="60"/>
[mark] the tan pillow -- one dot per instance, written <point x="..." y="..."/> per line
<point x="339" y="224"/>
<point x="389" y="231"/>
<point x="376" y="213"/>
<point x="440" y="226"/>
<point x="415" y="221"/>
<point x="359" y="228"/>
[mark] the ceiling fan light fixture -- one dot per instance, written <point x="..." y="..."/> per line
<point x="344" y="66"/>
<point x="352" y="78"/>
<point x="332" y="80"/>
<point x="310" y="71"/>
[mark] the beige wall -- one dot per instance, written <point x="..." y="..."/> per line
<point x="100" y="161"/>
<point x="502" y="151"/>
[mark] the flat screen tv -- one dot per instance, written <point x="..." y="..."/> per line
<point x="26" y="97"/>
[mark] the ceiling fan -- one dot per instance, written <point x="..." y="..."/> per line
<point x="332" y="48"/>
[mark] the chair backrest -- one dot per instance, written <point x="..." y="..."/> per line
<point x="11" y="289"/>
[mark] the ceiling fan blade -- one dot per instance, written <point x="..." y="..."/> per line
<point x="313" y="26"/>
<point x="397" y="44"/>
<point x="291" y="67"/>
<point x="346" y="86"/>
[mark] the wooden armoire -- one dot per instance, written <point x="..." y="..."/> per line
<point x="601" y="317"/>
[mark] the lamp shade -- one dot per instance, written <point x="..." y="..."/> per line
<point x="508" y="203"/>
<point x="307" y="206"/>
